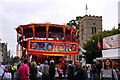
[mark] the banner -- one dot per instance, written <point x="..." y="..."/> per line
<point x="52" y="47"/>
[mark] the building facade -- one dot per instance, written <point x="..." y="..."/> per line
<point x="88" y="26"/>
<point x="4" y="54"/>
<point x="1" y="53"/>
<point x="119" y="12"/>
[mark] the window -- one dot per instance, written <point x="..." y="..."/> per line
<point x="93" y="28"/>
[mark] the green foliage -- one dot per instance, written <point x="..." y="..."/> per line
<point x="74" y="23"/>
<point x="92" y="51"/>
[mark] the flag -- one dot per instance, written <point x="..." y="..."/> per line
<point x="86" y="8"/>
<point x="99" y="44"/>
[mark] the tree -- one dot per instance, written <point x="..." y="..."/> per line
<point x="74" y="23"/>
<point x="92" y="51"/>
<point x="119" y="26"/>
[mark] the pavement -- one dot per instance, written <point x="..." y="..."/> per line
<point x="57" y="78"/>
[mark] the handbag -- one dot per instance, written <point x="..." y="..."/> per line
<point x="112" y="75"/>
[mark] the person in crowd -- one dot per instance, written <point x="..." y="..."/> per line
<point x="33" y="71"/>
<point x="41" y="67"/>
<point x="88" y="73"/>
<point x="38" y="67"/>
<point x="107" y="73"/>
<point x="64" y="69"/>
<point x="85" y="70"/>
<point x="52" y="70"/>
<point x="24" y="71"/>
<point x="7" y="75"/>
<point x="60" y="72"/>
<point x="45" y="73"/>
<point x="13" y="70"/>
<point x="19" y="64"/>
<point x="39" y="74"/>
<point x="10" y="68"/>
<point x="70" y="70"/>
<point x="79" y="73"/>
<point x="1" y="70"/>
<point x="94" y="72"/>
<point x="118" y="71"/>
<point x="98" y="69"/>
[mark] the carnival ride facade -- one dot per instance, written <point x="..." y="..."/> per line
<point x="46" y="40"/>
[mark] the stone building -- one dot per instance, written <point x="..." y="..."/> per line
<point x="1" y="53"/>
<point x="119" y="12"/>
<point x="4" y="54"/>
<point x="88" y="26"/>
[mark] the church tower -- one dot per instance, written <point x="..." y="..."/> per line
<point x="88" y="26"/>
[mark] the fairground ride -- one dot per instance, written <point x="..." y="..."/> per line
<point x="46" y="41"/>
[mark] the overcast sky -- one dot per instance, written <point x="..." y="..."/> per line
<point x="19" y="12"/>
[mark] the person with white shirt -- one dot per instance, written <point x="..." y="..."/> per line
<point x="1" y="70"/>
<point x="7" y="75"/>
<point x="41" y="67"/>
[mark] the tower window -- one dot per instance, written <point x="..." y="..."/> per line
<point x="93" y="28"/>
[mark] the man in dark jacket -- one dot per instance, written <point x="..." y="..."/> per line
<point x="52" y="71"/>
<point x="79" y="73"/>
<point x="70" y="70"/>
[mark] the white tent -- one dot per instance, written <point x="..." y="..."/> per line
<point x="102" y="58"/>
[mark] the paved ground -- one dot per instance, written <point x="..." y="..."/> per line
<point x="59" y="79"/>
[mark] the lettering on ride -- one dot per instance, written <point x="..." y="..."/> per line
<point x="53" y="46"/>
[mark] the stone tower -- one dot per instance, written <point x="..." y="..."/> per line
<point x="88" y="26"/>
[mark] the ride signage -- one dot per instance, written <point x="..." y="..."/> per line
<point x="52" y="47"/>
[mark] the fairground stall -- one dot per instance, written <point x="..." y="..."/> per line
<point x="46" y="41"/>
<point x="111" y="49"/>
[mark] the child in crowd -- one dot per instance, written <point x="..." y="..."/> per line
<point x="60" y="72"/>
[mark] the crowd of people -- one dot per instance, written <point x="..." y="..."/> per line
<point x="47" y="70"/>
